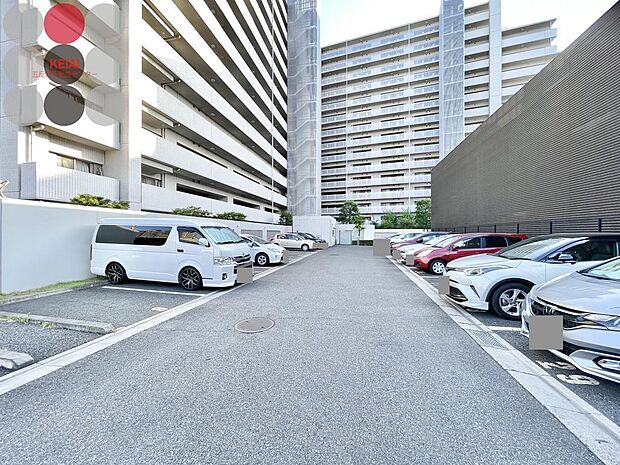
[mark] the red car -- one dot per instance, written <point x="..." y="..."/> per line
<point x="434" y="259"/>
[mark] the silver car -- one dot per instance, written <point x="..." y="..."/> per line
<point x="589" y="302"/>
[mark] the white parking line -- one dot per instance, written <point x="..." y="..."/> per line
<point x="504" y="328"/>
<point x="154" y="291"/>
<point x="50" y="365"/>
<point x="597" y="432"/>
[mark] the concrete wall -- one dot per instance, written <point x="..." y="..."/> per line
<point x="45" y="243"/>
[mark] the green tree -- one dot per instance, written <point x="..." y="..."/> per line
<point x="389" y="220"/>
<point x="359" y="221"/>
<point x="423" y="214"/>
<point x="286" y="218"/>
<point x="348" y="212"/>
<point x="406" y="220"/>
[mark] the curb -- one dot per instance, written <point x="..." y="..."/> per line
<point x="63" y="323"/>
<point x="14" y="360"/>
<point x="38" y="295"/>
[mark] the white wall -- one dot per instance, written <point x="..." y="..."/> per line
<point x="322" y="226"/>
<point x="46" y="243"/>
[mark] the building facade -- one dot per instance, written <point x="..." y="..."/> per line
<point x="395" y="102"/>
<point x="200" y="116"/>
<point x="549" y="159"/>
<point x="304" y="114"/>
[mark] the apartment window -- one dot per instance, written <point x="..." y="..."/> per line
<point x="79" y="165"/>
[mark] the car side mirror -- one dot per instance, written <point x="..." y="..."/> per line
<point x="566" y="257"/>
<point x="202" y="241"/>
<point x="420" y="241"/>
<point x="455" y="247"/>
<point x="563" y="257"/>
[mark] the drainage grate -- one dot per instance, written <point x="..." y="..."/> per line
<point x="486" y="339"/>
<point x="254" y="325"/>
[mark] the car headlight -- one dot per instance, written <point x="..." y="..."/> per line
<point x="609" y="321"/>
<point x="223" y="261"/>
<point x="482" y="270"/>
<point x="424" y="254"/>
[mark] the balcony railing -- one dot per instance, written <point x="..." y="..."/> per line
<point x="377" y="195"/>
<point x="380" y="42"/>
<point x="42" y="181"/>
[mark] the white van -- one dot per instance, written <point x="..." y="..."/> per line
<point x="193" y="253"/>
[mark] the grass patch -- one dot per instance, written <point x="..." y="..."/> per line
<point x="51" y="288"/>
<point x="48" y="325"/>
<point x="22" y="320"/>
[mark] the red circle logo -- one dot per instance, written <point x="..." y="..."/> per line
<point x="64" y="23"/>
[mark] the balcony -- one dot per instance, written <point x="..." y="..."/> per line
<point x="159" y="199"/>
<point x="42" y="181"/>
<point x="420" y="193"/>
<point x="377" y="209"/>
<point x="380" y="42"/>
<point x="377" y="167"/>
<point x="427" y="148"/>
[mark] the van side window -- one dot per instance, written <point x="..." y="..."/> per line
<point x="189" y="235"/>
<point x="132" y="235"/>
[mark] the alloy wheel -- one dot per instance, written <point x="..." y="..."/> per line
<point x="190" y="279"/>
<point x="261" y="260"/>
<point x="511" y="301"/>
<point x="115" y="273"/>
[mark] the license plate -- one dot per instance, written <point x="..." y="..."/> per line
<point x="245" y="275"/>
<point x="444" y="285"/>
<point x="546" y="332"/>
<point x="381" y="247"/>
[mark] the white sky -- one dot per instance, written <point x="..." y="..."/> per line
<point x="346" y="19"/>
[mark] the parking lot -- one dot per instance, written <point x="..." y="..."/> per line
<point x="98" y="310"/>
<point x="601" y="394"/>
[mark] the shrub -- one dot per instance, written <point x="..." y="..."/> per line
<point x="197" y="211"/>
<point x="192" y="211"/>
<point x="235" y="216"/>
<point x="90" y="200"/>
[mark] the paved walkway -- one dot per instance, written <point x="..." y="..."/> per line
<point x="360" y="367"/>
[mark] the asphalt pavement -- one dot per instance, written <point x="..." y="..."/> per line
<point x="360" y="367"/>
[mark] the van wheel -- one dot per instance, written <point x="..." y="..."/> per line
<point x="437" y="267"/>
<point x="305" y="247"/>
<point x="115" y="273"/>
<point x="262" y="259"/>
<point x="190" y="279"/>
<point x="508" y="299"/>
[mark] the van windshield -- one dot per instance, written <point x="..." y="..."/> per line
<point x="222" y="235"/>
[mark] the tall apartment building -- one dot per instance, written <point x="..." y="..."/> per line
<point x="203" y="92"/>
<point x="395" y="102"/>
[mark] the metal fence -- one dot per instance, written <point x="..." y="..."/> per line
<point x="537" y="228"/>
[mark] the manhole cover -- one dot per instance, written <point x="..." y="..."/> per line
<point x="254" y="325"/>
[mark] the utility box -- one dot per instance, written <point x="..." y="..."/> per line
<point x="322" y="226"/>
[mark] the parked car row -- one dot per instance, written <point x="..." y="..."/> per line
<point x="576" y="276"/>
<point x="193" y="253"/>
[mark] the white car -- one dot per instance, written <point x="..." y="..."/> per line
<point x="500" y="282"/>
<point x="292" y="241"/>
<point x="263" y="253"/>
